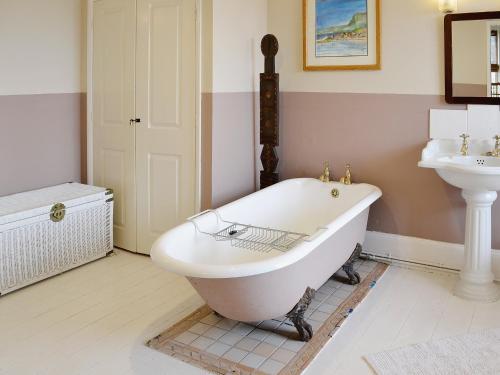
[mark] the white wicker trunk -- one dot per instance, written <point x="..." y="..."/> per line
<point x="48" y="231"/>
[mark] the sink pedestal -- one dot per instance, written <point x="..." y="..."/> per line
<point x="476" y="277"/>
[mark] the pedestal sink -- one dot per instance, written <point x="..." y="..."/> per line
<point x="479" y="178"/>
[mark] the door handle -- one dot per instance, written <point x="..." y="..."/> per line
<point x="134" y="120"/>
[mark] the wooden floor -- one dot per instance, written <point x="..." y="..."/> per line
<point x="96" y="319"/>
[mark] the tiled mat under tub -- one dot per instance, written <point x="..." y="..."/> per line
<point x="224" y="346"/>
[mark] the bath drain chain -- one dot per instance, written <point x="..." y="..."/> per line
<point x="252" y="237"/>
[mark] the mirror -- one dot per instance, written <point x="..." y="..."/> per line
<point x="472" y="58"/>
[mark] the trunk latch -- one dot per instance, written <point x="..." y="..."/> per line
<point x="57" y="212"/>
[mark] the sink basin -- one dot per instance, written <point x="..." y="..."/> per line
<point x="476" y="164"/>
<point x="479" y="178"/>
<point x="467" y="172"/>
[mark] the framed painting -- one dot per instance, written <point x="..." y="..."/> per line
<point x="341" y="34"/>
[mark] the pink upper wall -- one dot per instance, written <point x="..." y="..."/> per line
<point x="381" y="136"/>
<point x="40" y="140"/>
<point x="206" y="151"/>
<point x="233" y="145"/>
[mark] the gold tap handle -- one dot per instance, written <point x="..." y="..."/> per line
<point x="346" y="180"/>
<point x="325" y="177"/>
<point x="464" y="136"/>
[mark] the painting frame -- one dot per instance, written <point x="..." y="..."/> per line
<point x="336" y="62"/>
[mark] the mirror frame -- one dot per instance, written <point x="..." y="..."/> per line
<point x="448" y="58"/>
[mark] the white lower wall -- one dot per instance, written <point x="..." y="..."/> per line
<point x="238" y="27"/>
<point x="412" y="49"/>
<point x="420" y="251"/>
<point x="41" y="44"/>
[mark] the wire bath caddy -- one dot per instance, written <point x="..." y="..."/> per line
<point x="253" y="237"/>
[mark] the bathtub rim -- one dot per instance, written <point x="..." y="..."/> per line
<point x="211" y="271"/>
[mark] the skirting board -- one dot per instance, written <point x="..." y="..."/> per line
<point x="420" y="251"/>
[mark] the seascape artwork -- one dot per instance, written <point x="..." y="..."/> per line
<point x="341" y="28"/>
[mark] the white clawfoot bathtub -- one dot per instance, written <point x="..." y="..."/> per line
<point x="249" y="285"/>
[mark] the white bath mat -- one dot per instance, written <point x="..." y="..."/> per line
<point x="474" y="354"/>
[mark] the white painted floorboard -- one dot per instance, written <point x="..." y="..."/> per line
<point x="96" y="319"/>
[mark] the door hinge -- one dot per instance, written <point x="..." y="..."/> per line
<point x="133" y="121"/>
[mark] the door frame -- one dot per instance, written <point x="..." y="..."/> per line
<point x="198" y="68"/>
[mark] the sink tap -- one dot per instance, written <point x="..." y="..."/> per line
<point x="464" y="150"/>
<point x="496" y="151"/>
<point x="325" y="177"/>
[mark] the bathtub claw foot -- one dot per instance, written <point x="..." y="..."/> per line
<point x="353" y="277"/>
<point x="304" y="329"/>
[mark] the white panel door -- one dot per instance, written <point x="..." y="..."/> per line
<point x="165" y="103"/>
<point x="113" y="107"/>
